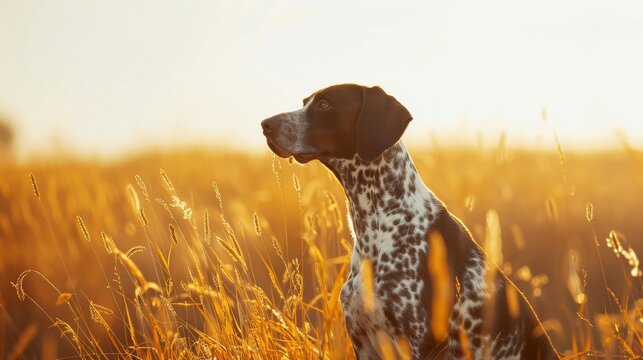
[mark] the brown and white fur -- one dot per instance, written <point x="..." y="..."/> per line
<point x="354" y="131"/>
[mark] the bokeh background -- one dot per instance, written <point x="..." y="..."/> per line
<point x="110" y="77"/>
<point x="527" y="122"/>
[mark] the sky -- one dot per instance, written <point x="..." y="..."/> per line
<point x="112" y="77"/>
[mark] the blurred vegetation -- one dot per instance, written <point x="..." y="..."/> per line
<point x="238" y="255"/>
<point x="6" y="139"/>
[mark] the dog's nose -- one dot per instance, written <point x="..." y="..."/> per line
<point x="268" y="124"/>
<point x="265" y="125"/>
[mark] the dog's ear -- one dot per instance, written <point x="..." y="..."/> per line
<point x="380" y="123"/>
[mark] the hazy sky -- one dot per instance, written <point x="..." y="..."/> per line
<point x="104" y="76"/>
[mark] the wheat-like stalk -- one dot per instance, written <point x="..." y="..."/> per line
<point x="173" y="234"/>
<point x="34" y="186"/>
<point x="256" y="224"/>
<point x="207" y="232"/>
<point x="167" y="182"/>
<point x="589" y="212"/>
<point x="83" y="228"/>
<point x="143" y="187"/>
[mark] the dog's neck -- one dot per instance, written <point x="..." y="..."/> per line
<point x="389" y="203"/>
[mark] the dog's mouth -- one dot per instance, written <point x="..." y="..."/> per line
<point x="278" y="150"/>
<point x="281" y="152"/>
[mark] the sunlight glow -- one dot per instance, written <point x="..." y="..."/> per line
<point x="113" y="76"/>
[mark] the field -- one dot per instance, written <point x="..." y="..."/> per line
<point x="207" y="253"/>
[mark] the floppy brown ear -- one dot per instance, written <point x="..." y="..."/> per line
<point x="380" y="123"/>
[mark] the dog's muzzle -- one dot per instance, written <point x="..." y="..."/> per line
<point x="271" y="130"/>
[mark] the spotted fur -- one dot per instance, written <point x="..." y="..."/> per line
<point x="392" y="214"/>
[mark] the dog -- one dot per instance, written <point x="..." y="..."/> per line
<point x="355" y="132"/>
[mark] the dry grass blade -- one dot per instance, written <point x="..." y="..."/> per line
<point x="135" y="203"/>
<point x="67" y="330"/>
<point x="25" y="338"/>
<point x="131" y="267"/>
<point x="277" y="247"/>
<point x="465" y="347"/>
<point x="574" y="282"/>
<point x="493" y="238"/>
<point x="274" y="281"/>
<point x="551" y="209"/>
<point x="234" y="254"/>
<point x="143" y="217"/>
<point x="166" y="180"/>
<point x="386" y="345"/>
<point x="519" y="238"/>
<point x="442" y="299"/>
<point x="404" y="348"/>
<point x="513" y="302"/>
<point x="367" y="285"/>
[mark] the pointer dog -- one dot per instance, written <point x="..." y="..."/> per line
<point x="355" y="131"/>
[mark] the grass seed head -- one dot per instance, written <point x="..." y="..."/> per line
<point x="295" y="183"/>
<point x="83" y="228"/>
<point x="207" y="232"/>
<point x="256" y="223"/>
<point x="108" y="243"/>
<point x="173" y="235"/>
<point x="34" y="186"/>
<point x="589" y="212"/>
<point x="20" y="291"/>
<point x="217" y="192"/>
<point x="143" y="187"/>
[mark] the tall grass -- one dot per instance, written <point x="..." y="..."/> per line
<point x="241" y="256"/>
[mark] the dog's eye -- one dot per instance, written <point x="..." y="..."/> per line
<point x="323" y="105"/>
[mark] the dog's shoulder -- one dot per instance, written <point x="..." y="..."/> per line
<point x="460" y="246"/>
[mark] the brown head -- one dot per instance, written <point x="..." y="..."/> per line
<point x="338" y="122"/>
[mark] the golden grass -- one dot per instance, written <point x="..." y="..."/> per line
<point x="442" y="297"/>
<point x="242" y="256"/>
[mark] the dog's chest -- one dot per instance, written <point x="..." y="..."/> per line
<point x="383" y="293"/>
<point x="391" y="210"/>
<point x="384" y="299"/>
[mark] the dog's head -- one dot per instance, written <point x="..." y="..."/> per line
<point x="338" y="122"/>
